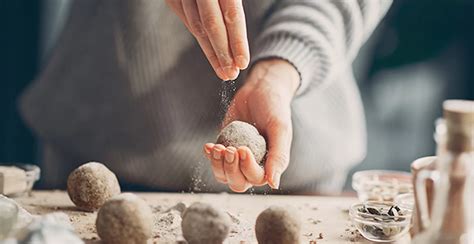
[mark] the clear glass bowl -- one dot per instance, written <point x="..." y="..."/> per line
<point x="381" y="185"/>
<point x="380" y="228"/>
<point x="406" y="201"/>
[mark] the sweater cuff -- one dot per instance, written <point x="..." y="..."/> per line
<point x="295" y="51"/>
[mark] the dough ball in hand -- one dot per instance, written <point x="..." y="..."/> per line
<point x="91" y="185"/>
<point x="204" y="224"/>
<point x="239" y="133"/>
<point x="278" y="225"/>
<point x="126" y="219"/>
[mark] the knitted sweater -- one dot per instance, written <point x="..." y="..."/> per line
<point x="127" y="85"/>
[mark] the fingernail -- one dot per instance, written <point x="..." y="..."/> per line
<point x="241" y="61"/>
<point x="243" y="154"/>
<point x="217" y="154"/>
<point x="221" y="74"/>
<point x="229" y="156"/>
<point x="208" y="148"/>
<point x="276" y="180"/>
<point x="231" y="72"/>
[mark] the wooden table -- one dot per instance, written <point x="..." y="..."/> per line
<point x="325" y="215"/>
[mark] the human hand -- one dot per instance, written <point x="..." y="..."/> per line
<point x="264" y="101"/>
<point x="219" y="27"/>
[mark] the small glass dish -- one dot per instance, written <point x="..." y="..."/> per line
<point x="380" y="221"/>
<point x="406" y="201"/>
<point x="381" y="185"/>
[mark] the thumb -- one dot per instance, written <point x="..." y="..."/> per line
<point x="279" y="137"/>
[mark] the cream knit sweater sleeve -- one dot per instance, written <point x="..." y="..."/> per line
<point x="316" y="36"/>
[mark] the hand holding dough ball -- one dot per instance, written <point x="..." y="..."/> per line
<point x="126" y="219"/>
<point x="203" y="224"/>
<point x="277" y="225"/>
<point x="91" y="185"/>
<point x="239" y="133"/>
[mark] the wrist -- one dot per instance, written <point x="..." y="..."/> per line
<point x="279" y="73"/>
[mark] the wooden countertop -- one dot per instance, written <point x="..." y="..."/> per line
<point x="326" y="215"/>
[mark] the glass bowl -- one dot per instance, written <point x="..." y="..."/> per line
<point x="406" y="201"/>
<point x="380" y="221"/>
<point x="381" y="185"/>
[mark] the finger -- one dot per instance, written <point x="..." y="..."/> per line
<point x="234" y="18"/>
<point x="213" y="23"/>
<point x="196" y="28"/>
<point x="279" y="143"/>
<point x="235" y="179"/>
<point x="252" y="171"/>
<point x="208" y="149"/>
<point x="177" y="8"/>
<point x="241" y="189"/>
<point x="217" y="163"/>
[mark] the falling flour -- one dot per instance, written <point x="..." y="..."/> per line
<point x="227" y="92"/>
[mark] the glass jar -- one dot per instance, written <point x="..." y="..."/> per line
<point x="452" y="217"/>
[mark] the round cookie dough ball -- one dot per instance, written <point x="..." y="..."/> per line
<point x="239" y="133"/>
<point x="126" y="219"/>
<point x="204" y="224"/>
<point x="90" y="185"/>
<point x="278" y="225"/>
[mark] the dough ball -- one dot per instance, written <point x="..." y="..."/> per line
<point x="204" y="224"/>
<point x="278" y="225"/>
<point x="90" y="185"/>
<point x="126" y="219"/>
<point x="239" y="133"/>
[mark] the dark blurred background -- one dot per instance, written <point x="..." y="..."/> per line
<point x="422" y="54"/>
